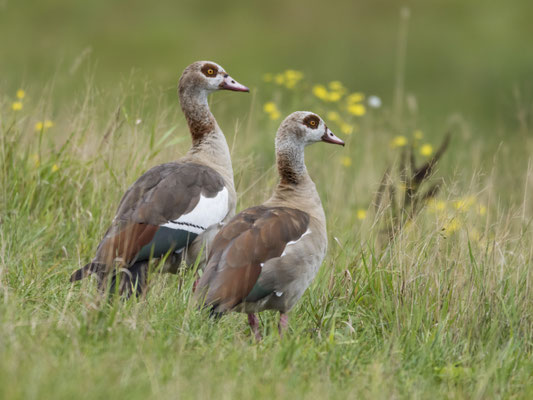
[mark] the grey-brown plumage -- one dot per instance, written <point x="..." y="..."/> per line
<point x="174" y="208"/>
<point x="266" y="256"/>
<point x="241" y="248"/>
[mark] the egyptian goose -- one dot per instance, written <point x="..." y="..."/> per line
<point x="173" y="207"/>
<point x="266" y="256"/>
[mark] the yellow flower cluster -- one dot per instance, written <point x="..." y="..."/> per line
<point x="288" y="78"/>
<point x="354" y="104"/>
<point x="452" y="226"/>
<point x="348" y="105"/>
<point x="17" y="105"/>
<point x="462" y="204"/>
<point x="332" y="93"/>
<point x="346" y="161"/>
<point x="43" y="125"/>
<point x="272" y="110"/>
<point x="450" y="213"/>
<point x="37" y="163"/>
<point x="426" y="149"/>
<point x="398" y="141"/>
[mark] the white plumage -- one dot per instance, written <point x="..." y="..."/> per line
<point x="208" y="211"/>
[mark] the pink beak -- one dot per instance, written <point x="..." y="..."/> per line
<point x="329" y="137"/>
<point x="231" y="84"/>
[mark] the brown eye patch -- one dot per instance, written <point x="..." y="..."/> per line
<point x="209" y="70"/>
<point x="312" y="121"/>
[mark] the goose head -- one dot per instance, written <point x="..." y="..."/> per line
<point x="302" y="128"/>
<point x="208" y="76"/>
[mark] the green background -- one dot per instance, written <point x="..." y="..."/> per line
<point x="462" y="56"/>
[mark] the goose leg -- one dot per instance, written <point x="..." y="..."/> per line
<point x="254" y="325"/>
<point x="131" y="281"/>
<point x="283" y="323"/>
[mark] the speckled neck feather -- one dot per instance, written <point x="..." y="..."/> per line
<point x="209" y="146"/>
<point x="194" y="105"/>
<point x="295" y="189"/>
<point x="290" y="159"/>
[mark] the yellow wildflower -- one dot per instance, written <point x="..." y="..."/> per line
<point x="279" y="79"/>
<point x="481" y="210"/>
<point x="336" y="86"/>
<point x="436" y="206"/>
<point x="333" y="96"/>
<point x="426" y="150"/>
<point x="347" y="129"/>
<point x="464" y="203"/>
<point x="272" y="110"/>
<point x="36" y="160"/>
<point x="418" y="134"/>
<point x="320" y="92"/>
<point x="292" y="77"/>
<point x="399" y="141"/>
<point x="361" y="213"/>
<point x="43" y="125"/>
<point x="355" y="98"/>
<point x="346" y="161"/>
<point x="293" y="74"/>
<point x="275" y="115"/>
<point x="268" y="77"/>
<point x="333" y="116"/>
<point x="16" y="106"/>
<point x="55" y="168"/>
<point x="452" y="226"/>
<point x="20" y="94"/>
<point x="269" y="107"/>
<point x="357" y="109"/>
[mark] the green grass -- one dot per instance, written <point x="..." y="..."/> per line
<point x="443" y="311"/>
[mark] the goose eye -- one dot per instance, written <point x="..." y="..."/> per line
<point x="311" y="121"/>
<point x="209" y="70"/>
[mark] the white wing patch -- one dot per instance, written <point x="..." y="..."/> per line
<point x="307" y="232"/>
<point x="208" y="211"/>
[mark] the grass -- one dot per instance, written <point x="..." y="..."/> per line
<point x="441" y="311"/>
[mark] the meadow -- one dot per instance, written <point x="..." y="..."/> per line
<point x="439" y="308"/>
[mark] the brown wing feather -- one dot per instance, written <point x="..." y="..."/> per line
<point x="168" y="191"/>
<point x="161" y="194"/>
<point x="126" y="243"/>
<point x="251" y="238"/>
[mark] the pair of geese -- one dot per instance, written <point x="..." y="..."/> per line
<point x="262" y="258"/>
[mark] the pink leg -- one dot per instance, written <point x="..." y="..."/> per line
<point x="283" y="323"/>
<point x="254" y="324"/>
